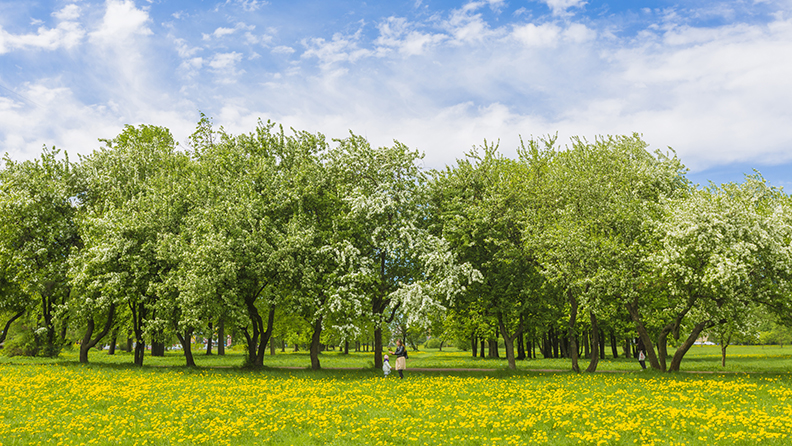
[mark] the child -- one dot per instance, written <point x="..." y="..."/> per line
<point x="386" y="366"/>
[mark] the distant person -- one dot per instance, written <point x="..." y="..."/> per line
<point x="642" y="359"/>
<point x="401" y="358"/>
<point x="386" y="368"/>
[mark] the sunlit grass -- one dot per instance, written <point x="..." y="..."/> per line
<point x="773" y="359"/>
<point x="119" y="404"/>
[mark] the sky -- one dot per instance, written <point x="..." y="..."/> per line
<point x="710" y="80"/>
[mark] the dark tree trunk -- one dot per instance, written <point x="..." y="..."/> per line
<point x="627" y="348"/>
<point x="186" y="343"/>
<point x="586" y="349"/>
<point x="556" y="344"/>
<point x="632" y="308"/>
<point x="113" y="341"/>
<point x="602" y="344"/>
<point x="614" y="346"/>
<point x="572" y="349"/>
<point x="315" y="344"/>
<point x="272" y="346"/>
<point x="138" y="315"/>
<point x="680" y="352"/>
<point x="8" y="325"/>
<point x="474" y="344"/>
<point x="209" y="340"/>
<point x="508" y="341"/>
<point x="483" y="344"/>
<point x="520" y="347"/>
<point x="221" y="337"/>
<point x="378" y="348"/>
<point x="724" y="342"/>
<point x="595" y="342"/>
<point x="492" y="350"/>
<point x="346" y="347"/>
<point x="88" y="343"/>
<point x="157" y="349"/>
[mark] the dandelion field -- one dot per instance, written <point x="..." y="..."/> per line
<point x="66" y="403"/>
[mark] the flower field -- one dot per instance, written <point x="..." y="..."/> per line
<point x="67" y="404"/>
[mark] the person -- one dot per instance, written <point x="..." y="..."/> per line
<point x="642" y="359"/>
<point x="401" y="358"/>
<point x="386" y="366"/>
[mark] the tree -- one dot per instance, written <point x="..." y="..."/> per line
<point x="122" y="218"/>
<point x="37" y="235"/>
<point x="482" y="205"/>
<point x="722" y="249"/>
<point x="594" y="238"/>
<point x="408" y="268"/>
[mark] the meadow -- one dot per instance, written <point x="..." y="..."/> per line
<point x="59" y="401"/>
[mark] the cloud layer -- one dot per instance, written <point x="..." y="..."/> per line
<point x="711" y="81"/>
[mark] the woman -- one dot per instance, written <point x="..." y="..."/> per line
<point x="401" y="358"/>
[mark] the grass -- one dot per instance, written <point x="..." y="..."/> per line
<point x="753" y="359"/>
<point x="110" y="403"/>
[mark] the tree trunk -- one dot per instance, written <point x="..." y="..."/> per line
<point x="8" y="325"/>
<point x="586" y="349"/>
<point x="691" y="339"/>
<point x="492" y="351"/>
<point x="88" y="343"/>
<point x="265" y="337"/>
<point x="346" y="347"/>
<point x="157" y="349"/>
<point x="614" y="346"/>
<point x="508" y="341"/>
<point x="474" y="344"/>
<point x="186" y="343"/>
<point x="724" y="343"/>
<point x="482" y="344"/>
<point x="315" y="344"/>
<point x="572" y="349"/>
<point x="520" y="347"/>
<point x="378" y="348"/>
<point x="138" y="315"/>
<point x="113" y="340"/>
<point x="632" y="308"/>
<point x="272" y="347"/>
<point x="595" y="342"/>
<point x="209" y="340"/>
<point x="221" y="338"/>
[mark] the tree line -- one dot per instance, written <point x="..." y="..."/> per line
<point x="273" y="232"/>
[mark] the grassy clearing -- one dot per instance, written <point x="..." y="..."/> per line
<point x="66" y="403"/>
<point x="769" y="359"/>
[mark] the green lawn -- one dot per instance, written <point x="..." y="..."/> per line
<point x="66" y="403"/>
<point x="771" y="359"/>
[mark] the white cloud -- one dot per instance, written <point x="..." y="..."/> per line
<point x="561" y="7"/>
<point x="69" y="12"/>
<point x="251" y="5"/>
<point x="396" y="32"/>
<point x="219" y="32"/>
<point x="121" y="21"/>
<point x="67" y="34"/>
<point x="224" y="65"/>
<point x="282" y="49"/>
<point x="342" y="48"/>
<point x="543" y="35"/>
<point x="466" y="26"/>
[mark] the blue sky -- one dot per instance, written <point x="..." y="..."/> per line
<point x="711" y="79"/>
